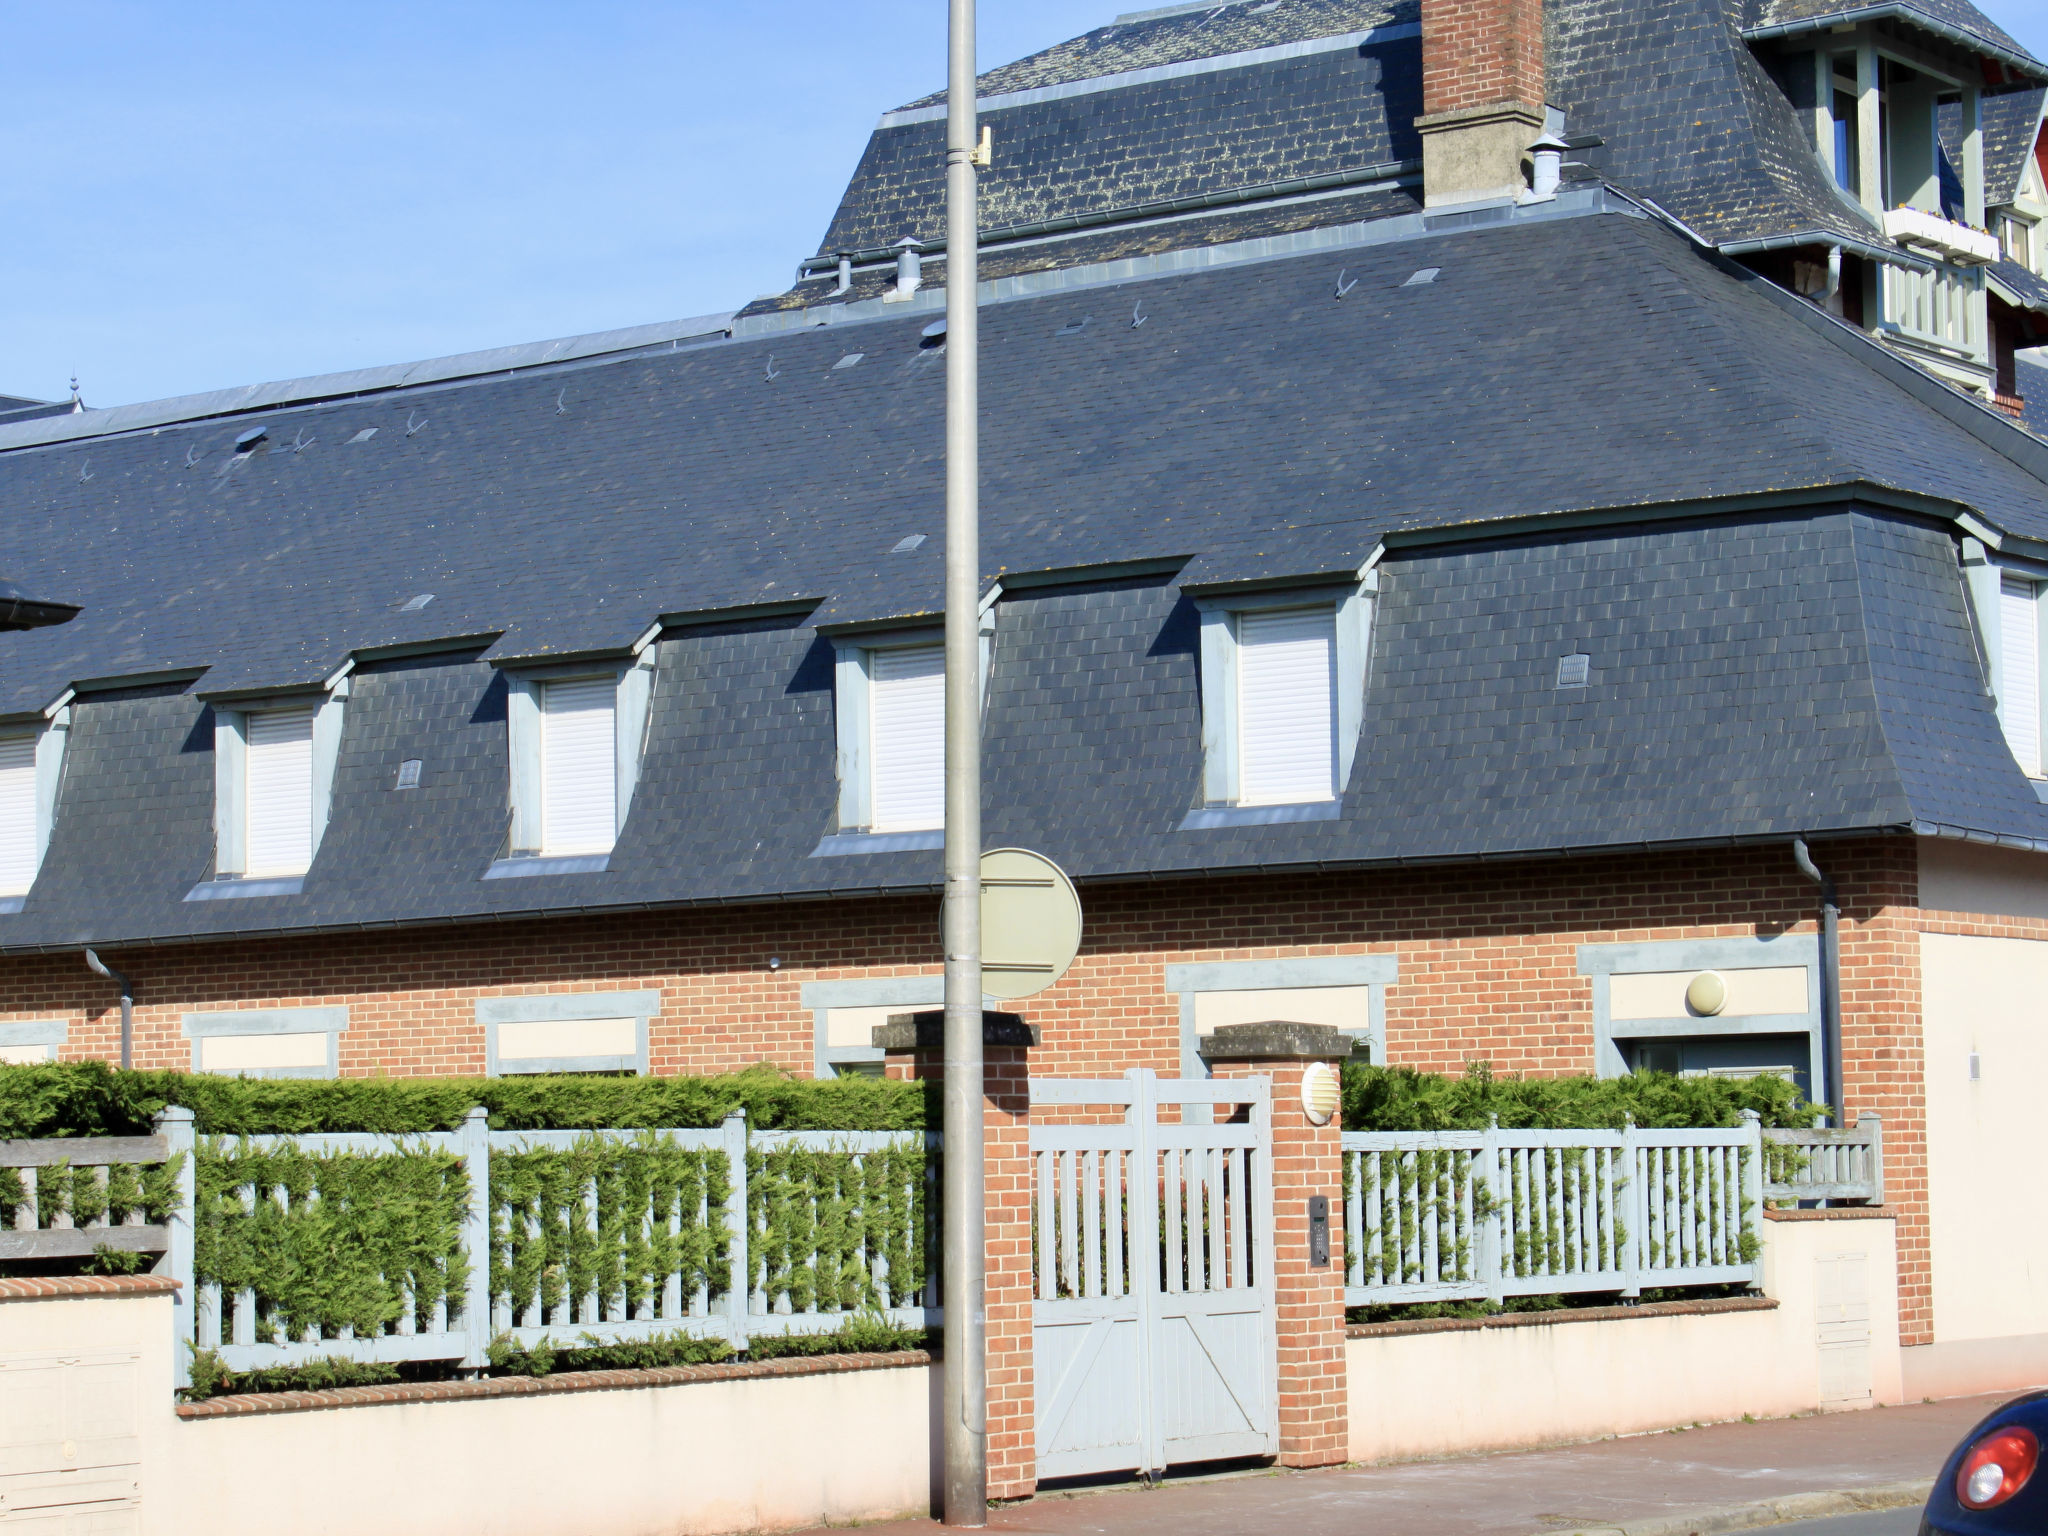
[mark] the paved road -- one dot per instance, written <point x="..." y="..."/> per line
<point x="1605" y="1484"/>
<point x="1889" y="1522"/>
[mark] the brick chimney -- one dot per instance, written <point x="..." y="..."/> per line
<point x="1482" y="96"/>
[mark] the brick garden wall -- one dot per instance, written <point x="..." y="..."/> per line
<point x="1488" y="968"/>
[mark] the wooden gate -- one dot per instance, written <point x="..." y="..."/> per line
<point x="1153" y="1316"/>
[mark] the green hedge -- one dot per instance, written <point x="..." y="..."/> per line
<point x="90" y="1098"/>
<point x="1402" y="1099"/>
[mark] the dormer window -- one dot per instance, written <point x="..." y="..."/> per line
<point x="273" y="776"/>
<point x="578" y="766"/>
<point x="278" y="802"/>
<point x="2016" y="239"/>
<point x="1286" y="706"/>
<point x="2019" y="670"/>
<point x="17" y="814"/>
<point x="891" y="708"/>
<point x="1283" y="684"/>
<point x="907" y="738"/>
<point x="575" y="739"/>
<point x="30" y="761"/>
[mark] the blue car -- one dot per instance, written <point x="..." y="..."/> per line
<point x="1989" y="1486"/>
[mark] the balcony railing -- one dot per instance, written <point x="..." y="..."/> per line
<point x="1939" y="305"/>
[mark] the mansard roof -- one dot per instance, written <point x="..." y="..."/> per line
<point x="1740" y="508"/>
<point x="1955" y="22"/>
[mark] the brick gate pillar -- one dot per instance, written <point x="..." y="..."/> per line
<point x="1315" y="1401"/>
<point x="915" y="1046"/>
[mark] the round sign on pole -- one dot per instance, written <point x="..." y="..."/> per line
<point x="1030" y="922"/>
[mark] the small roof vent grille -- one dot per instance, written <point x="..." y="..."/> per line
<point x="362" y="437"/>
<point x="907" y="543"/>
<point x="415" y="603"/>
<point x="1421" y="276"/>
<point x="1074" y="327"/>
<point x="408" y="774"/>
<point x="848" y="361"/>
<point x="1573" y="670"/>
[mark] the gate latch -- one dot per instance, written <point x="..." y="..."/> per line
<point x="1319" y="1231"/>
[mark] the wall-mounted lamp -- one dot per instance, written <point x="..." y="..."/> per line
<point x="1322" y="1091"/>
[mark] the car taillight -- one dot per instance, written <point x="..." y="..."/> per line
<point x="1997" y="1467"/>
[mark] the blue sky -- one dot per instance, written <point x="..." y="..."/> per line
<point x="196" y="196"/>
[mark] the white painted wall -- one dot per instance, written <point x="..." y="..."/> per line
<point x="1989" y="1247"/>
<point x="1432" y="1394"/>
<point x="86" y="1408"/>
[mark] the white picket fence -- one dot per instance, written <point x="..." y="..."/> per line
<point x="244" y="1326"/>
<point x="1484" y="1215"/>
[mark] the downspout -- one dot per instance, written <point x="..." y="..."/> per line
<point x="1830" y="1094"/>
<point x="100" y="967"/>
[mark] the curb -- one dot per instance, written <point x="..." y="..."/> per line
<point x="1749" y="1517"/>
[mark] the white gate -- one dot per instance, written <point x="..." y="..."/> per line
<point x="1153" y="1317"/>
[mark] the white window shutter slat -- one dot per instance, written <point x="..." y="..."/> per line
<point x="2019" y="706"/>
<point x="907" y="714"/>
<point x="280" y="793"/>
<point x="1286" y="717"/>
<point x="17" y="814"/>
<point x="578" y="766"/>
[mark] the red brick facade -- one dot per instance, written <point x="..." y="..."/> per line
<point x="1487" y="955"/>
<point x="1314" y="1383"/>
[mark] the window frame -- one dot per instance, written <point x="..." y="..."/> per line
<point x="230" y="877"/>
<point x="1352" y="607"/>
<point x="632" y="716"/>
<point x="1603" y="962"/>
<point x="852" y="688"/>
<point x="27" y="1035"/>
<point x="330" y="1020"/>
<point x="1985" y="579"/>
<point x="911" y="994"/>
<point x="51" y="735"/>
<point x="642" y="1007"/>
<point x="1303" y="973"/>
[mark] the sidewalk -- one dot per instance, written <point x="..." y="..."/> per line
<point x="1641" y="1482"/>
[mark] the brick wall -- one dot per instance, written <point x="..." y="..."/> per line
<point x="1478" y="52"/>
<point x="1488" y="968"/>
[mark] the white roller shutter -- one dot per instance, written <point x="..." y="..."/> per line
<point x="907" y="711"/>
<point x="1286" y="664"/>
<point x="2019" y="704"/>
<point x="280" y="788"/>
<point x="578" y="774"/>
<point x="17" y="814"/>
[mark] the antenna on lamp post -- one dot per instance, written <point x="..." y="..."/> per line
<point x="966" y="1364"/>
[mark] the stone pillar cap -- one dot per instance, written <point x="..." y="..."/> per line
<point x="1276" y="1040"/>
<point x="926" y="1030"/>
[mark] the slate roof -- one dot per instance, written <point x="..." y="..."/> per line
<point x="2011" y="123"/>
<point x="1256" y="426"/>
<point x="1174" y="35"/>
<point x="1667" y="99"/>
<point x="1247" y="125"/>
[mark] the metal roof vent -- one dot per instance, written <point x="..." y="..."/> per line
<point x="848" y="361"/>
<point x="361" y="437"/>
<point x="1074" y="327"/>
<point x="416" y="603"/>
<point x="909" y="269"/>
<point x="247" y="442"/>
<point x="906" y="544"/>
<point x="1421" y="276"/>
<point x="933" y="335"/>
<point x="408" y="774"/>
<point x="1573" y="670"/>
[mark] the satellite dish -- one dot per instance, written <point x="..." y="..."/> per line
<point x="1030" y="922"/>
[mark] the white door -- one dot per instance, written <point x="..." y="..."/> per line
<point x="1153" y="1313"/>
